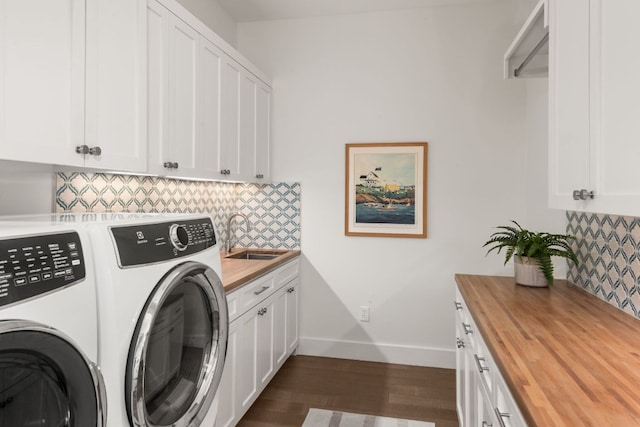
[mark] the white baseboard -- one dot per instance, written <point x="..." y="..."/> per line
<point x="388" y="353"/>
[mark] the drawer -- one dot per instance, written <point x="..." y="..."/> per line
<point x="288" y="272"/>
<point x="506" y="408"/>
<point x="484" y="365"/>
<point x="256" y="291"/>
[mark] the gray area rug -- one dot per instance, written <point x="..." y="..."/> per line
<point x="326" y="418"/>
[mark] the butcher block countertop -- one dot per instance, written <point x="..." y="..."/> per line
<point x="569" y="358"/>
<point x="237" y="272"/>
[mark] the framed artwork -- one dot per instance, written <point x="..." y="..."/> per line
<point x="386" y="189"/>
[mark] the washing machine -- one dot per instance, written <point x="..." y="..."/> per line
<point x="162" y="316"/>
<point x="48" y="327"/>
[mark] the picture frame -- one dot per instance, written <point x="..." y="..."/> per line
<point x="386" y="189"/>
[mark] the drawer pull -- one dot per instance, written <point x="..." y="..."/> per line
<point x="479" y="361"/>
<point x="262" y="311"/>
<point x="460" y="343"/>
<point x="467" y="328"/>
<point x="458" y="305"/>
<point x="501" y="416"/>
<point x="486" y="424"/>
<point x="264" y="288"/>
<point x="290" y="290"/>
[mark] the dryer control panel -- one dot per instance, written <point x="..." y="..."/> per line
<point x="150" y="243"/>
<point x="34" y="265"/>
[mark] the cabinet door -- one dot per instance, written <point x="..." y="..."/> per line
<point x="209" y="118"/>
<point x="247" y="125"/>
<point x="293" y="289"/>
<point x="227" y="415"/>
<point x="247" y="359"/>
<point x="505" y="406"/>
<point x="569" y="102"/>
<point x="615" y="127"/>
<point x="280" y="346"/>
<point x="42" y="80"/>
<point x="486" y="417"/>
<point x="461" y="376"/>
<point x="230" y="114"/>
<point x="157" y="86"/>
<point x="116" y="84"/>
<point x="265" y="343"/>
<point x="471" y="389"/>
<point x="262" y="168"/>
<point x="183" y="96"/>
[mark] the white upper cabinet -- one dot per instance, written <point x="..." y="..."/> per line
<point x="211" y="60"/>
<point x="115" y="114"/>
<point x="204" y="121"/>
<point x="247" y="125"/>
<point x="246" y="130"/>
<point x="230" y="123"/>
<point x="262" y="155"/>
<point x="71" y="81"/>
<point x="128" y="85"/>
<point x="173" y="51"/>
<point x="183" y="95"/>
<point x="42" y="48"/>
<point x="594" y="106"/>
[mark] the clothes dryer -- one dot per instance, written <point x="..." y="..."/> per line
<point x="48" y="327"/>
<point x="162" y="317"/>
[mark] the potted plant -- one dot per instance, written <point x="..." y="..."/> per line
<point x="533" y="252"/>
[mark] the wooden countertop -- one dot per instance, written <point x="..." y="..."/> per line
<point x="236" y="272"/>
<point x="569" y="358"/>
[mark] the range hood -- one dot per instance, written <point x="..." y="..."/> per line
<point x="528" y="55"/>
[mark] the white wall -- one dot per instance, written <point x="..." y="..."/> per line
<point x="215" y="17"/>
<point x="431" y="75"/>
<point x="539" y="217"/>
<point x="26" y="188"/>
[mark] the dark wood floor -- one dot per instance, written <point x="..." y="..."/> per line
<point x="417" y="393"/>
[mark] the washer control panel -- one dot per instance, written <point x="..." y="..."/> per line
<point x="150" y="243"/>
<point x="34" y="265"/>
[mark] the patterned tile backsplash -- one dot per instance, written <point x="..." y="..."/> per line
<point x="608" y="248"/>
<point x="273" y="209"/>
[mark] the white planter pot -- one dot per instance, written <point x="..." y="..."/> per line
<point x="527" y="272"/>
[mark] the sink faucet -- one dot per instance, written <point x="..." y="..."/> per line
<point x="228" y="245"/>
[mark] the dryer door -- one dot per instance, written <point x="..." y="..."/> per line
<point x="178" y="349"/>
<point x="46" y="380"/>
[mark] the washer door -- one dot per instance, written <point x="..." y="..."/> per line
<point x="178" y="349"/>
<point x="46" y="380"/>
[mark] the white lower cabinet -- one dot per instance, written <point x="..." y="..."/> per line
<point x="263" y="333"/>
<point x="483" y="398"/>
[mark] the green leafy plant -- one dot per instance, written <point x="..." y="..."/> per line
<point x="539" y="246"/>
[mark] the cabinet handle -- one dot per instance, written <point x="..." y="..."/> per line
<point x="225" y="172"/>
<point x="479" y="361"/>
<point x="582" y="194"/>
<point x="459" y="343"/>
<point x="290" y="290"/>
<point x="171" y="165"/>
<point x="262" y="311"/>
<point x="259" y="176"/>
<point x="82" y="149"/>
<point x="486" y="424"/>
<point x="95" y="151"/>
<point x="458" y="305"/>
<point x="501" y="416"/>
<point x="264" y="288"/>
<point x="467" y="328"/>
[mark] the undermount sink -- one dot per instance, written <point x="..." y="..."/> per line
<point x="265" y="255"/>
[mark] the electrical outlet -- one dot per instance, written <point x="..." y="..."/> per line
<point x="364" y="313"/>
